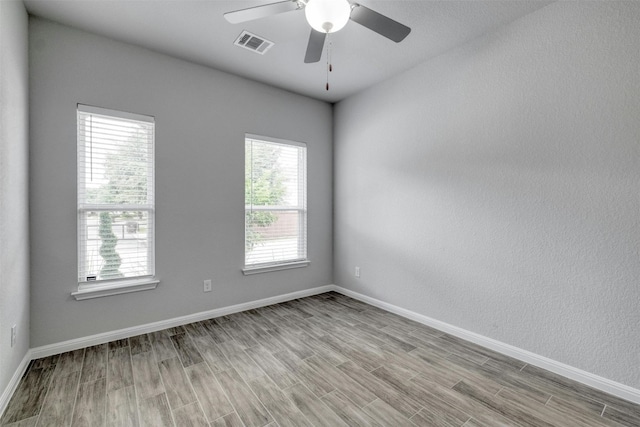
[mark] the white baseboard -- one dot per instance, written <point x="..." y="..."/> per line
<point x="595" y="381"/>
<point x="13" y="383"/>
<point x="61" y="347"/>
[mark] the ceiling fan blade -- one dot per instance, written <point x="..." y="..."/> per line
<point x="252" y="13"/>
<point x="315" y="46"/>
<point x="379" y="23"/>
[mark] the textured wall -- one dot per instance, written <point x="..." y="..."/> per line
<point x="201" y="118"/>
<point x="14" y="187"/>
<point x="495" y="187"/>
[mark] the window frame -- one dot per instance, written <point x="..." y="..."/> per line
<point x="88" y="289"/>
<point x="303" y="240"/>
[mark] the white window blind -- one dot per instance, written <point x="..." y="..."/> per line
<point x="275" y="201"/>
<point x="116" y="208"/>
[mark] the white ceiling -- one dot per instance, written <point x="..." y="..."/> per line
<point x="195" y="30"/>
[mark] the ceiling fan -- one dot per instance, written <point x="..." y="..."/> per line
<point x="325" y="17"/>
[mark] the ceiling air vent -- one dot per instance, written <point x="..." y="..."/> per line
<point x="253" y="43"/>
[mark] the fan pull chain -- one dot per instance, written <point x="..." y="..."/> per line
<point x="329" y="65"/>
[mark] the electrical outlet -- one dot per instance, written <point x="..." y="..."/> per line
<point x="14" y="336"/>
<point x="207" y="285"/>
<point x="357" y="271"/>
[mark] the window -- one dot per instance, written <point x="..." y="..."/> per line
<point x="116" y="209"/>
<point x="275" y="204"/>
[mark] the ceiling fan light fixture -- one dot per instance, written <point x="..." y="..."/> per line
<point x="327" y="16"/>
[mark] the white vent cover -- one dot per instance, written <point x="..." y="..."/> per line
<point x="253" y="43"/>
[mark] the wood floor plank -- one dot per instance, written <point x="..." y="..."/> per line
<point x="310" y="328"/>
<point x="29" y="396"/>
<point x="176" y="384"/>
<point x="230" y="347"/>
<point x="463" y="403"/>
<point x="428" y="418"/>
<point x="140" y="344"/>
<point x="68" y="362"/>
<point x="237" y="333"/>
<point x="263" y="338"/>
<point x="246" y="404"/>
<point x="570" y="392"/>
<point x="291" y="342"/>
<point x="507" y="377"/>
<point x="468" y="347"/>
<point x="313" y="409"/>
<point x="162" y="345"/>
<point x="217" y="333"/>
<point x="196" y="329"/>
<point x="29" y="422"/>
<point x="547" y="413"/>
<point x="94" y="366"/>
<point x="246" y="366"/>
<point x="400" y="401"/>
<point x="425" y="342"/>
<point x="509" y="411"/>
<point x="270" y="365"/>
<point x="187" y="351"/>
<point x="90" y="407"/>
<point x="407" y="361"/>
<point x="57" y="409"/>
<point x="358" y="394"/>
<point x="457" y="370"/>
<point x="211" y="396"/>
<point x="571" y="410"/>
<point x="367" y="360"/>
<point x="320" y="360"/>
<point x="326" y="352"/>
<point x="45" y="362"/>
<point x="621" y="417"/>
<point x="311" y="378"/>
<point x="190" y="416"/>
<point x="119" y="370"/>
<point x="564" y="387"/>
<point x="231" y="420"/>
<point x="155" y="412"/>
<point x="122" y="408"/>
<point x="349" y="412"/>
<point x="176" y="330"/>
<point x="386" y="414"/>
<point x="146" y="375"/>
<point x="212" y="353"/>
<point x="284" y="412"/>
<point x="474" y="423"/>
<point x="438" y="410"/>
<point x="367" y="331"/>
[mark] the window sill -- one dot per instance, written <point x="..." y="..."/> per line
<point x="247" y="271"/>
<point x="124" y="287"/>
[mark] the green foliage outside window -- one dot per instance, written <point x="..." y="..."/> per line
<point x="264" y="186"/>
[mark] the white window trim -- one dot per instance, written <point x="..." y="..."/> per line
<point x="291" y="264"/>
<point x="248" y="271"/>
<point x="103" y="288"/>
<point x="115" y="287"/>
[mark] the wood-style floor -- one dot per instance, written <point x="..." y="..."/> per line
<point x="326" y="360"/>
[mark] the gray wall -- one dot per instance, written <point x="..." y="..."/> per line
<point x="495" y="187"/>
<point x="201" y="118"/>
<point x="14" y="186"/>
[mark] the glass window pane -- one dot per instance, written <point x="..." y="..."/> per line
<point x="117" y="244"/>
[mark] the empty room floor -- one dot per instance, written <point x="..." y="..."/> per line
<point x="326" y="360"/>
